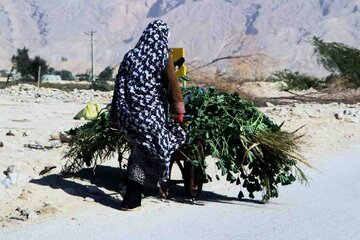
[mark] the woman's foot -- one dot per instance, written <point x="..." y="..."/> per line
<point x="132" y="199"/>
<point x="129" y="207"/>
<point x="164" y="189"/>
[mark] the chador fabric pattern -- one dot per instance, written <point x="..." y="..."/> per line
<point x="140" y="104"/>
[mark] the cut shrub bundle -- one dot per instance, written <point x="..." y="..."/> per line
<point x="249" y="148"/>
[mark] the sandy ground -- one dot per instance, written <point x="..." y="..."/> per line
<point x="88" y="206"/>
<point x="327" y="209"/>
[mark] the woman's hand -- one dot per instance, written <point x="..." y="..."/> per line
<point x="179" y="118"/>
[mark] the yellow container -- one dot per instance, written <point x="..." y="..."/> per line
<point x="177" y="53"/>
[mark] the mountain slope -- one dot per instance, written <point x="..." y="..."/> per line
<point x="273" y="34"/>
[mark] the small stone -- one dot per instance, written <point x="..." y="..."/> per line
<point x="1" y="144"/>
<point x="34" y="145"/>
<point x="339" y="116"/>
<point x="32" y="214"/>
<point x="49" y="210"/>
<point x="18" y="218"/>
<point x="26" y="87"/>
<point x="6" y="182"/>
<point x="347" y="112"/>
<point x="64" y="138"/>
<point x="47" y="169"/>
<point x="37" y="95"/>
<point x="269" y="104"/>
<point x="314" y="115"/>
<point x="350" y="119"/>
<point x="53" y="144"/>
<point x="26" y="133"/>
<point x="347" y="118"/>
<point x="9" y="170"/>
<point x="356" y="114"/>
<point x="22" y="211"/>
<point x="55" y="136"/>
<point x="89" y="199"/>
<point x="10" y="133"/>
<point x="25" y="195"/>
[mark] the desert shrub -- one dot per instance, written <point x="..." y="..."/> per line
<point x="29" y="66"/>
<point x="339" y="59"/>
<point x="295" y="80"/>
<point x="106" y="74"/>
<point x="65" y="74"/>
<point x="101" y="85"/>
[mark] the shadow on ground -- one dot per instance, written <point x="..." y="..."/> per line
<point x="109" y="178"/>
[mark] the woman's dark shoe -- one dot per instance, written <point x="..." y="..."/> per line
<point x="132" y="199"/>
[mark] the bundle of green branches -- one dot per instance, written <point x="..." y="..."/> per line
<point x="95" y="141"/>
<point x="251" y="150"/>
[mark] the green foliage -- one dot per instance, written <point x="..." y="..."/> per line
<point x="101" y="86"/>
<point x="250" y="149"/>
<point x="21" y="61"/>
<point x="51" y="70"/>
<point x="65" y="74"/>
<point x="94" y="141"/>
<point x="339" y="58"/>
<point x="101" y="83"/>
<point x="84" y="76"/>
<point x="35" y="64"/>
<point x="28" y="66"/>
<point x="106" y="74"/>
<point x="295" y="80"/>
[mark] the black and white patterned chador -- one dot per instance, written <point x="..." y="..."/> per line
<point x="140" y="102"/>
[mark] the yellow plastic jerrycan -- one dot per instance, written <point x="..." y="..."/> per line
<point x="89" y="112"/>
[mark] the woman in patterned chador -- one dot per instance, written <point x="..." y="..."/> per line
<point x="146" y="89"/>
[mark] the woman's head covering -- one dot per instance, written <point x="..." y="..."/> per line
<point x="157" y="30"/>
<point x="153" y="44"/>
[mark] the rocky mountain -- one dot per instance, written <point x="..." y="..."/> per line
<point x="259" y="36"/>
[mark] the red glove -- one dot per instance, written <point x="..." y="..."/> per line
<point x="179" y="118"/>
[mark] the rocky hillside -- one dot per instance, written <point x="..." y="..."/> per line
<point x="271" y="34"/>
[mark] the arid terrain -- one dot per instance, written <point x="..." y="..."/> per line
<point x="32" y="121"/>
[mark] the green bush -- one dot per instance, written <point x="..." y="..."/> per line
<point x="65" y="75"/>
<point x="101" y="86"/>
<point x="29" y="66"/>
<point x="106" y="74"/>
<point x="295" y="80"/>
<point x="339" y="59"/>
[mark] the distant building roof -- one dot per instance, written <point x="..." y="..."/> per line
<point x="51" y="78"/>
